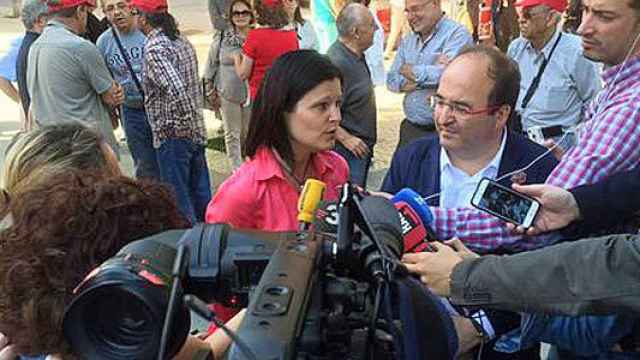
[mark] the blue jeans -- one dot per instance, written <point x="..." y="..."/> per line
<point x="358" y="168"/>
<point x="184" y="166"/>
<point x="585" y="337"/>
<point x="140" y="141"/>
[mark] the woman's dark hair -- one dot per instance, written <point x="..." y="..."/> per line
<point x="61" y="231"/>
<point x="230" y="10"/>
<point x="273" y="16"/>
<point x="165" y="21"/>
<point x="290" y="78"/>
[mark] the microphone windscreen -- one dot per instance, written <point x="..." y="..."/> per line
<point x="417" y="203"/>
<point x="384" y="219"/>
<point x="310" y="197"/>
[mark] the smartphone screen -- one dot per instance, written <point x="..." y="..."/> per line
<point x="505" y="203"/>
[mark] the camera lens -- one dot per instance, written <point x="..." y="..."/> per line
<point x="120" y="316"/>
<point x="128" y="331"/>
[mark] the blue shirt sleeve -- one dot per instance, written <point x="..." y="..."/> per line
<point x="395" y="80"/>
<point x="428" y="75"/>
<point x="9" y="59"/>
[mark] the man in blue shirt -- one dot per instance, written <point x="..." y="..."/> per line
<point x="419" y="62"/>
<point x="8" y="69"/>
<point x="567" y="83"/>
<point x="474" y="99"/>
<point x="134" y="120"/>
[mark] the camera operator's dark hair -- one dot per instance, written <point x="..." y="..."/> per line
<point x="165" y="21"/>
<point x="502" y="70"/>
<point x="273" y="16"/>
<point x="290" y="78"/>
<point x="61" y="231"/>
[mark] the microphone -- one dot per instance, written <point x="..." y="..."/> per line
<point x="416" y="220"/>
<point x="382" y="215"/>
<point x="310" y="197"/>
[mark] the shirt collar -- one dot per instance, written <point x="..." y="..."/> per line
<point x="494" y="164"/>
<point x="631" y="68"/>
<point x="56" y="23"/>
<point x="546" y="49"/>
<point x="269" y="167"/>
<point x="419" y="41"/>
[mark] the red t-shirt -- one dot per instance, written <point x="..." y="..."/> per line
<point x="263" y="46"/>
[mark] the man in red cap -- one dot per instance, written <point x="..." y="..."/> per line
<point x="67" y="77"/>
<point x="557" y="81"/>
<point x="173" y="103"/>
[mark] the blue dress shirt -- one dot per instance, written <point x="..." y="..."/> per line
<point x="448" y="38"/>
<point x="568" y="83"/>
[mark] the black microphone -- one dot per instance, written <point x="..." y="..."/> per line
<point x="383" y="217"/>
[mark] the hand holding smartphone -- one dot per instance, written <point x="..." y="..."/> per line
<point x="505" y="203"/>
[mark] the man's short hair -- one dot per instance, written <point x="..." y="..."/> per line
<point x="348" y="18"/>
<point x="66" y="13"/>
<point x="502" y="70"/>
<point x="32" y="10"/>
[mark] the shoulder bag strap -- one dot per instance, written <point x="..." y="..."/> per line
<point x="126" y="60"/>
<point x="536" y="81"/>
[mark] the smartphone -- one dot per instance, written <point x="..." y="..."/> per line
<point x="535" y="134"/>
<point x="507" y="204"/>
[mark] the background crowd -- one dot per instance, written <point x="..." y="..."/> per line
<point x="553" y="112"/>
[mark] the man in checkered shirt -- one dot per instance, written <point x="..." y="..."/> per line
<point x="609" y="141"/>
<point x="173" y="102"/>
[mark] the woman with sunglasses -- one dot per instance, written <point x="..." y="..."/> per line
<point x="226" y="91"/>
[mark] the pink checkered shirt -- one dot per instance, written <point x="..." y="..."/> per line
<point x="609" y="143"/>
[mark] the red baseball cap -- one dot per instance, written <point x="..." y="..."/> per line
<point x="558" y="5"/>
<point x="57" y="5"/>
<point x="271" y="3"/>
<point x="150" y="6"/>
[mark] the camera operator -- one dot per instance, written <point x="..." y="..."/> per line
<point x="61" y="231"/>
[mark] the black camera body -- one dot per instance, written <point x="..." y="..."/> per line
<point x="309" y="295"/>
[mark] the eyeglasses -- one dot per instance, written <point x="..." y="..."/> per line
<point x="458" y="110"/>
<point x="417" y="9"/>
<point x="529" y="13"/>
<point x="241" y="13"/>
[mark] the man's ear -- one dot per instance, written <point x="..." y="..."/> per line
<point x="502" y="115"/>
<point x="42" y="20"/>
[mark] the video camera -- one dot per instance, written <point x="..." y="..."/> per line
<point x="310" y="295"/>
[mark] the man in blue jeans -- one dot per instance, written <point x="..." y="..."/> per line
<point x="134" y="119"/>
<point x="173" y="102"/>
<point x="356" y="134"/>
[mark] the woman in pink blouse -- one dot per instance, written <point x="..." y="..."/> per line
<point x="291" y="134"/>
